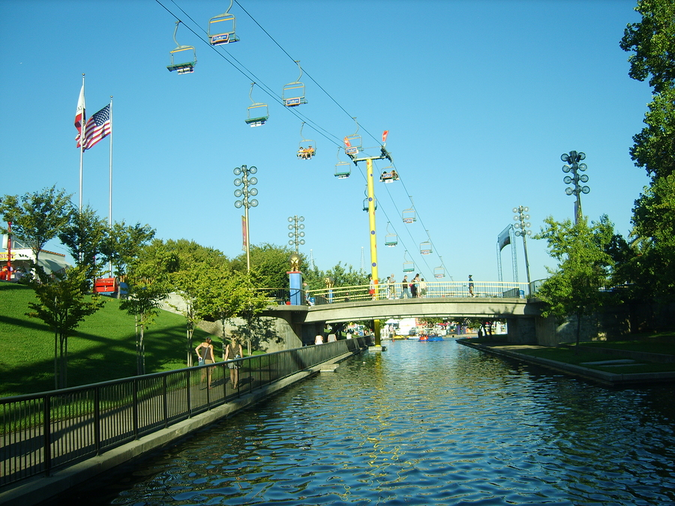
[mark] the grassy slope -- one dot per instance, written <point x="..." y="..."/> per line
<point x="103" y="348"/>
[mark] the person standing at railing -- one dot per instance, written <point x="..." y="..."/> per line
<point x="405" y="293"/>
<point x="205" y="353"/>
<point x="423" y="287"/>
<point x="234" y="351"/>
<point x="471" y="286"/>
<point x="414" y="286"/>
<point x="392" y="286"/>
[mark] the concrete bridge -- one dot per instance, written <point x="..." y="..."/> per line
<point x="522" y="315"/>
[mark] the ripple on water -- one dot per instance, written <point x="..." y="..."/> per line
<point x="425" y="425"/>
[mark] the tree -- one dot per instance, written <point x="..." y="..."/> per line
<point x="62" y="304"/>
<point x="124" y="244"/>
<point x="651" y="254"/>
<point x="37" y="217"/>
<point x="85" y="236"/>
<point x="148" y="284"/>
<point x="573" y="289"/>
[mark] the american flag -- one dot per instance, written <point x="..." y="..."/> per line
<point x="97" y="127"/>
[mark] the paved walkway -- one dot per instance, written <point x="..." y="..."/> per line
<point x="613" y="379"/>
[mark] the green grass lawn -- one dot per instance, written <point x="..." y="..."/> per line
<point x="662" y="343"/>
<point x="102" y="349"/>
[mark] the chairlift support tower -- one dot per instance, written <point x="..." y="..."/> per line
<point x="370" y="179"/>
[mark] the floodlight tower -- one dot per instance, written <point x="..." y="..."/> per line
<point x="522" y="226"/>
<point x="573" y="158"/>
<point x="246" y="182"/>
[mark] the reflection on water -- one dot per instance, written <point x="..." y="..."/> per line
<point x="423" y="423"/>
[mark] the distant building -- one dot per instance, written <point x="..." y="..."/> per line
<point x="23" y="258"/>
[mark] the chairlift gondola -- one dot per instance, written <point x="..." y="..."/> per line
<point x="391" y="239"/>
<point x="353" y="143"/>
<point x="425" y="246"/>
<point x="182" y="67"/>
<point x="439" y="272"/>
<point x="409" y="215"/>
<point x="258" y="112"/>
<point x="389" y="174"/>
<point x="222" y="28"/>
<point x="306" y="147"/>
<point x="293" y="93"/>
<point x="342" y="169"/>
<point x="408" y="265"/>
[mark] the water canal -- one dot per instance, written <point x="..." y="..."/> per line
<point x="422" y="423"/>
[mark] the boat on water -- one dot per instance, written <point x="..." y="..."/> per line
<point x="429" y="337"/>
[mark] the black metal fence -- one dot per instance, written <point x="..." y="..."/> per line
<point x="43" y="432"/>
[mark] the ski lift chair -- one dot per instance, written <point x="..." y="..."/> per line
<point x="182" y="67"/>
<point x="222" y="28"/>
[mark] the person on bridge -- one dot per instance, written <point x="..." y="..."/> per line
<point x="404" y="288"/>
<point x="392" y="287"/>
<point x="471" y="286"/>
<point x="414" y="286"/>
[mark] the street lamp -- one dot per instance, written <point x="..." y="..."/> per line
<point x="522" y="226"/>
<point x="573" y="158"/>
<point x="245" y="182"/>
<point x="296" y="226"/>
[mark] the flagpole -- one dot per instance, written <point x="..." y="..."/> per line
<point x="111" y="176"/>
<point x="84" y="121"/>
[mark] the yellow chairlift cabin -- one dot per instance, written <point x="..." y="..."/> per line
<point x="181" y="66"/>
<point x="353" y="143"/>
<point x="342" y="169"/>
<point x="391" y="239"/>
<point x="258" y="113"/>
<point x="408" y="265"/>
<point x="293" y="93"/>
<point x="307" y="147"/>
<point x="222" y="28"/>
<point x="389" y="174"/>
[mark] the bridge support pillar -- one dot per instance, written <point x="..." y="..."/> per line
<point x="521" y="330"/>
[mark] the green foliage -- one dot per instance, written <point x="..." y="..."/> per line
<point x="124" y="243"/>
<point x="85" y="236"/>
<point x="269" y="265"/>
<point x="653" y="43"/>
<point x="101" y="349"/>
<point x="62" y="305"/>
<point x="36" y="217"/>
<point x="584" y="267"/>
<point x="649" y="261"/>
<point x="341" y="275"/>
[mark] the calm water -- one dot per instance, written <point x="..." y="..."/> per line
<point x="422" y="423"/>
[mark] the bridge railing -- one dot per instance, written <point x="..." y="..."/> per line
<point x="429" y="289"/>
<point x="42" y="432"/>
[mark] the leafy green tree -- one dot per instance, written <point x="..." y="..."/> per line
<point x="269" y="265"/>
<point x="649" y="259"/>
<point x="85" y="237"/>
<point x="37" y="217"/>
<point x="124" y="244"/>
<point x="148" y="281"/>
<point x="62" y="305"/>
<point x="574" y="287"/>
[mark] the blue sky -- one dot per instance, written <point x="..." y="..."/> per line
<point x="480" y="98"/>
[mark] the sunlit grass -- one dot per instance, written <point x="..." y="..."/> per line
<point x="103" y="348"/>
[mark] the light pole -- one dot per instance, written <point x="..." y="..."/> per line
<point x="522" y="226"/>
<point x="296" y="226"/>
<point x="245" y="182"/>
<point x="573" y="158"/>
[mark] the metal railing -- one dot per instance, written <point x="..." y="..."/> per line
<point x="45" y="431"/>
<point x="428" y="289"/>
